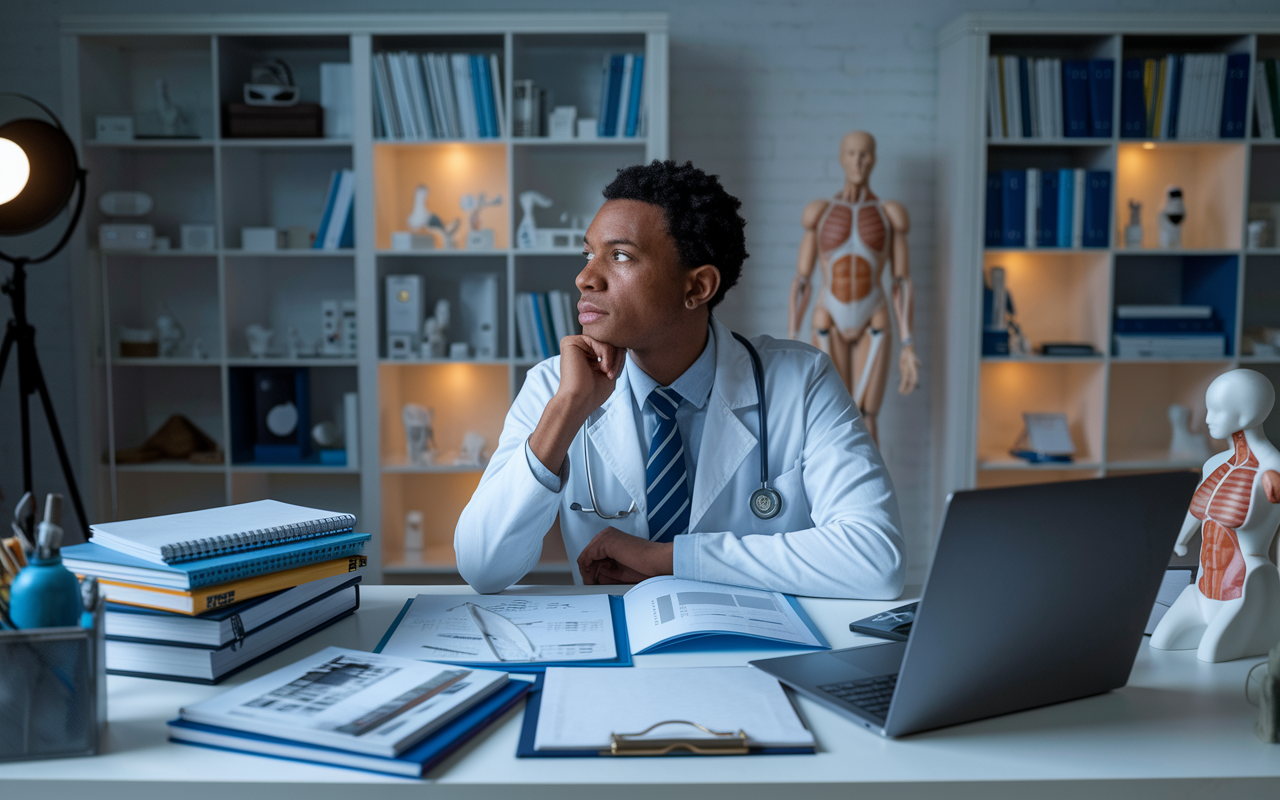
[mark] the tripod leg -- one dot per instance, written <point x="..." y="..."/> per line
<point x="4" y="348"/>
<point x="37" y="377"/>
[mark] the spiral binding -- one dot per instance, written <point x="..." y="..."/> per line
<point x="252" y="540"/>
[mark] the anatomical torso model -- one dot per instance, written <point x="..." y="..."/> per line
<point x="1233" y="611"/>
<point x="853" y="236"/>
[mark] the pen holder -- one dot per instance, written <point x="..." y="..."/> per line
<point x="53" y="691"/>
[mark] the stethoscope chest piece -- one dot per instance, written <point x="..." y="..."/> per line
<point x="766" y="503"/>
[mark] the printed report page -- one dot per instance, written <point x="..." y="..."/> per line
<point x="665" y="608"/>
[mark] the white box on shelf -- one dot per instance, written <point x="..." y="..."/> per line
<point x="260" y="240"/>
<point x="349" y="328"/>
<point x="121" y="236"/>
<point x="335" y="100"/>
<point x="331" y="328"/>
<point x="587" y="128"/>
<point x="197" y="237"/>
<point x="479" y="296"/>
<point x="113" y="128"/>
<point x="404" y="241"/>
<point x="561" y="122"/>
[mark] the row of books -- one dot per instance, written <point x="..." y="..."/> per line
<point x="1168" y="331"/>
<point x="337" y="226"/>
<point x="201" y="595"/>
<point x="1048" y="208"/>
<point x="1266" y="94"/>
<point x="542" y="320"/>
<point x="621" y="96"/>
<point x="437" y="96"/>
<point x="1188" y="96"/>
<point x="1047" y="98"/>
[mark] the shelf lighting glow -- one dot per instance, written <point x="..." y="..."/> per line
<point x="15" y="169"/>
<point x="1148" y="145"/>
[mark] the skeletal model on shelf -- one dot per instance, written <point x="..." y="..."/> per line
<point x="1233" y="611"/>
<point x="423" y="219"/>
<point x="259" y="339"/>
<point x="1171" y="218"/>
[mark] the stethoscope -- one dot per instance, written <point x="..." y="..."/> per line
<point x="766" y="503"/>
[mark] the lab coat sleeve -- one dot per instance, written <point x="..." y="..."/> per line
<point x="855" y="547"/>
<point x="499" y="534"/>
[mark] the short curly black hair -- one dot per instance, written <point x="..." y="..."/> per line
<point x="701" y="216"/>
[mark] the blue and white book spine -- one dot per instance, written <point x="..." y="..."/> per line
<point x="1066" y="202"/>
<point x="1077" y="208"/>
<point x="498" y="96"/>
<point x="1175" y="105"/>
<point x="624" y="97"/>
<point x="1101" y="94"/>
<point x="1013" y="202"/>
<point x="1097" y="209"/>
<point x="480" y="89"/>
<point x="1031" y="234"/>
<point x="637" y="95"/>
<point x="543" y="327"/>
<point x="524" y="326"/>
<point x="1262" y="103"/>
<point x="995" y="216"/>
<point x="1075" y="90"/>
<point x="995" y="123"/>
<point x="1235" y="96"/>
<point x="601" y="122"/>
<point x="461" y="69"/>
<point x="341" y="210"/>
<point x="1024" y="98"/>
<point x="334" y="180"/>
<point x="616" y="65"/>
<point x="1133" y="109"/>
<point x="1012" y="98"/>
<point x="544" y="308"/>
<point x="1047" y="225"/>
<point x="1168" y="99"/>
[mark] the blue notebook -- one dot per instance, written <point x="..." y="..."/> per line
<point x="103" y="562"/>
<point x="1133" y="103"/>
<point x="415" y="762"/>
<point x="1235" y="96"/>
<point x="529" y="731"/>
<point x="1047" y="225"/>
<point x="1075" y="98"/>
<point x="1066" y="204"/>
<point x="621" y="645"/>
<point x="995" y="215"/>
<point x="1101" y="93"/>
<point x="1097" y="208"/>
<point x="1013" y="204"/>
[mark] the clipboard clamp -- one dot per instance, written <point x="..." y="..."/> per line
<point x="719" y="743"/>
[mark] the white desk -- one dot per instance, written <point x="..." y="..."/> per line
<point x="1181" y="728"/>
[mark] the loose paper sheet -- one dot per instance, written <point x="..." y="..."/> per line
<point x="560" y="628"/>
<point x="582" y="707"/>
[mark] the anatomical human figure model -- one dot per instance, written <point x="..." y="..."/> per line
<point x="852" y="236"/>
<point x="1233" y="611"/>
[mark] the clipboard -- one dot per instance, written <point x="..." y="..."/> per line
<point x="716" y="743"/>
<point x="622" y="646"/>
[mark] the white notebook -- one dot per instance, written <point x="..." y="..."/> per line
<point x="174" y="538"/>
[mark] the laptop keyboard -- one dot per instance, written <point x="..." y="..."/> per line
<point x="870" y="694"/>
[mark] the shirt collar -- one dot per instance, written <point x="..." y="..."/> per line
<point x="693" y="385"/>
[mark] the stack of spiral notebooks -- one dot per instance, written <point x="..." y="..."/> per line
<point x="201" y="595"/>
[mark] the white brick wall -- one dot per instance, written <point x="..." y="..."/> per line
<point x="761" y="93"/>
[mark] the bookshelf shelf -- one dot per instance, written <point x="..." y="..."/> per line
<point x="1116" y="407"/>
<point x="232" y="183"/>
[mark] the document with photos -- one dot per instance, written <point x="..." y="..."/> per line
<point x="667" y="609"/>
<point x="497" y="629"/>
<point x="363" y="702"/>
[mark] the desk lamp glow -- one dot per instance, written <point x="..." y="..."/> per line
<point x="39" y="172"/>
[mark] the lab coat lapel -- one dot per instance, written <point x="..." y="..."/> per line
<point x="725" y="440"/>
<point x="614" y="442"/>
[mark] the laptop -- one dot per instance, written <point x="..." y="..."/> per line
<point x="1037" y="595"/>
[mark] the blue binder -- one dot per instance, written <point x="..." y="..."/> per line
<point x="1013" y="203"/>
<point x="1047" y="225"/>
<point x="529" y="731"/>
<point x="1075" y="98"/>
<point x="1235" y="96"/>
<point x="415" y="762"/>
<point x="1024" y="93"/>
<point x="1101" y="94"/>
<point x="1133" y="103"/>
<point x="1097" y="208"/>
<point x="1175" y="94"/>
<point x="1066" y="204"/>
<point x="995" y="219"/>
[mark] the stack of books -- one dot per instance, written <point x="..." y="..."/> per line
<point x="1029" y="208"/>
<point x="1048" y="98"/>
<point x="621" y="96"/>
<point x="337" y="229"/>
<point x="349" y="708"/>
<point x="1190" y="96"/>
<point x="200" y="595"/>
<point x="1181" y="331"/>
<point x="542" y="320"/>
<point x="1266" y="97"/>
<point x="420" y="96"/>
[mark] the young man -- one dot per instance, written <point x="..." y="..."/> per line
<point x="643" y="436"/>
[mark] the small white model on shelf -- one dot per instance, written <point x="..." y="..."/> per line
<point x="478" y="238"/>
<point x="419" y="438"/>
<point x="297" y="347"/>
<point x="472" y="452"/>
<point x="1185" y="445"/>
<point x="459" y="351"/>
<point x="435" y="340"/>
<point x="530" y="237"/>
<point x="259" y="340"/>
<point x="422" y="221"/>
<point x="271" y="84"/>
<point x="1133" y="231"/>
<point x="1233" y="610"/>
<point x="172" y="121"/>
<point x="1171" y="218"/>
<point x="171" y="334"/>
<point x="413" y="537"/>
<point x="198" y="350"/>
<point x="326" y="434"/>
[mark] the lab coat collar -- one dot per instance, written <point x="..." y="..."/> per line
<point x="735" y="382"/>
<point x="725" y="440"/>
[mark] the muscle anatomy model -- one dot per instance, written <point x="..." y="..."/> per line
<point x="853" y="236"/>
<point x="1233" y="611"/>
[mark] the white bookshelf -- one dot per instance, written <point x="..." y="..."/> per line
<point x="1116" y="407"/>
<point x="110" y="65"/>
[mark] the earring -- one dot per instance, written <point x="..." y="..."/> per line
<point x="690" y="304"/>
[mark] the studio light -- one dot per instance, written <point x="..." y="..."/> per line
<point x="39" y="173"/>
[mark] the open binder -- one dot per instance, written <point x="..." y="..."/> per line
<point x="700" y="740"/>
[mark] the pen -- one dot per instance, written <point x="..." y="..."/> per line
<point x="506" y="631"/>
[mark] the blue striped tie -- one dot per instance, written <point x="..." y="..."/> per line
<point x="665" y="474"/>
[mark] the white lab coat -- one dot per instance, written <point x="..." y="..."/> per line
<point x="838" y="534"/>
